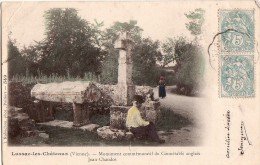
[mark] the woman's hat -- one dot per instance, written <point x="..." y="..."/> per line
<point x="161" y="78"/>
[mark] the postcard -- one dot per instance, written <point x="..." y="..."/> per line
<point x="130" y="82"/>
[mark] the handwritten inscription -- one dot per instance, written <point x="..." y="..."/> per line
<point x="227" y="138"/>
<point x="243" y="138"/>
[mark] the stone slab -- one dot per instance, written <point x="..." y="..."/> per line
<point x="54" y="123"/>
<point x="89" y="127"/>
<point x="69" y="125"/>
<point x="70" y="92"/>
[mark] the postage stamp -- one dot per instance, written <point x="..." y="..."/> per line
<point x="238" y="31"/>
<point x="237" y="76"/>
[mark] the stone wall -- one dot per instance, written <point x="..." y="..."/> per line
<point x="113" y="92"/>
<point x="19" y="123"/>
<point x="19" y="96"/>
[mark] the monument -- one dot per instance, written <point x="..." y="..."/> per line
<point x="125" y="91"/>
<point x="125" y="65"/>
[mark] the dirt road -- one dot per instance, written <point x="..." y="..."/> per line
<point x="189" y="107"/>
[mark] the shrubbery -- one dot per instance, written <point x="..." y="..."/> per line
<point x="190" y="74"/>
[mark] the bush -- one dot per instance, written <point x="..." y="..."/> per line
<point x="190" y="72"/>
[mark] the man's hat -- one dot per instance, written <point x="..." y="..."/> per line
<point x="139" y="99"/>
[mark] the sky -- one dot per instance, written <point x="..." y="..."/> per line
<point x="158" y="20"/>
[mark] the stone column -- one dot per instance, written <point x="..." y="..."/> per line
<point x="77" y="108"/>
<point x="50" y="111"/>
<point x="85" y="114"/>
<point x="126" y="88"/>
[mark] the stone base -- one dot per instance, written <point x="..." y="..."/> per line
<point x="118" y="116"/>
<point x="113" y="134"/>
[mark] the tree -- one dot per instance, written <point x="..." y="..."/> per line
<point x="110" y="65"/>
<point x="145" y="53"/>
<point x="16" y="63"/>
<point x="70" y="45"/>
<point x="189" y="67"/>
<point x="168" y="52"/>
<point x="196" y="20"/>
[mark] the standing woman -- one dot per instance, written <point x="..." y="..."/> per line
<point x="162" y="92"/>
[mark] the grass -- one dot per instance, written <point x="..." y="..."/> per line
<point x="100" y="119"/>
<point x="71" y="137"/>
<point x="169" y="120"/>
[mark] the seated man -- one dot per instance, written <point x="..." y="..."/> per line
<point x="139" y="127"/>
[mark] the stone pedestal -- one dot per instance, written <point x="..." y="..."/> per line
<point x="77" y="114"/>
<point x="118" y="116"/>
<point x="81" y="116"/>
<point x="43" y="111"/>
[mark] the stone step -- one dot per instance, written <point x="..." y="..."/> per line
<point x="69" y="125"/>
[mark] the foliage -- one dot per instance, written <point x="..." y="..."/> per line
<point x="114" y="31"/>
<point x="196" y="18"/>
<point x="109" y="72"/>
<point x="145" y="54"/>
<point x="16" y="63"/>
<point x="70" y="47"/>
<point x="73" y="46"/>
<point x="52" y="78"/>
<point x="70" y="43"/>
<point x="190" y="72"/>
<point x="168" y="55"/>
<point x="173" y="50"/>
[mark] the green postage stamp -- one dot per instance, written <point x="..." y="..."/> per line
<point x="237" y="42"/>
<point x="238" y="31"/>
<point x="237" y="76"/>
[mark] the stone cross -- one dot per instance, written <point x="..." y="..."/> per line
<point x="125" y="83"/>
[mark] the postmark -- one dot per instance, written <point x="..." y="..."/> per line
<point x="237" y="76"/>
<point x="238" y="31"/>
